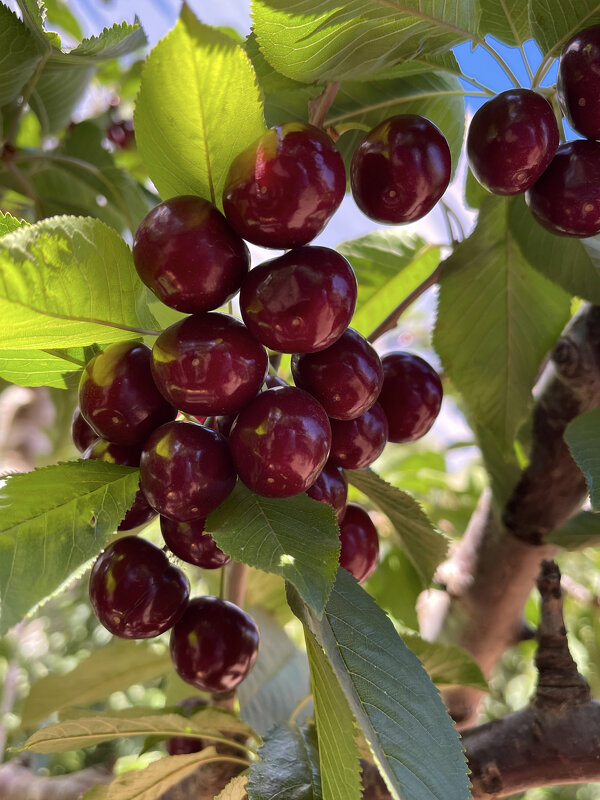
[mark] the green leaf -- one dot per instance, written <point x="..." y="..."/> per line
<point x="60" y="86"/>
<point x="68" y="281"/>
<point x="112" y="668"/>
<point x="398" y="709"/>
<point x="119" y="40"/>
<point x="338" y="753"/>
<point x="235" y="789"/>
<point x="289" y="768"/>
<point x="58" y="13"/>
<point x="490" y="342"/>
<point x="198" y="107"/>
<point x="296" y="537"/>
<point x="583" y="437"/>
<point x="425" y="546"/>
<point x="323" y="40"/>
<point x="579" y="532"/>
<point x="20" y="53"/>
<point x="396" y="585"/>
<point x="278" y="681"/>
<point x="389" y="264"/>
<point x="37" y="368"/>
<point x="506" y="20"/>
<point x="553" y="22"/>
<point x="564" y="260"/>
<point x="89" y="731"/>
<point x="447" y="666"/>
<point x="52" y="521"/>
<point x="8" y="223"/>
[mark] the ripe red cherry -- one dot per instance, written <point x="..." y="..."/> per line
<point x="188" y="255"/>
<point x="117" y="395"/>
<point x="280" y="442"/>
<point x="400" y="169"/>
<point x="186" y="470"/>
<point x="121" y="133"/>
<point x="566" y="199"/>
<point x="300" y="302"/>
<point x="134" y="590"/>
<point x="182" y="745"/>
<point x="356" y="443"/>
<point x="331" y="487"/>
<point x="189" y="542"/>
<point x="411" y="396"/>
<point x="82" y="433"/>
<point x="214" y="645"/>
<point x="208" y="364"/>
<point x="360" y="543"/>
<point x="282" y="190"/>
<point x="512" y="139"/>
<point x="127" y="456"/>
<point x="578" y="85"/>
<point x="346" y="377"/>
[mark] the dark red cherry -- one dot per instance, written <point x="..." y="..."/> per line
<point x="282" y="190"/>
<point x="214" y="645"/>
<point x="182" y="745"/>
<point x="134" y="590"/>
<point x="188" y="255"/>
<point x="273" y="381"/>
<point x="578" y="85"/>
<point x="121" y="133"/>
<point x="360" y="543"/>
<point x="356" y="443"/>
<point x="411" y="396"/>
<point x="82" y="433"/>
<point x="117" y="395"/>
<point x="400" y="169"/>
<point x="346" y="377"/>
<point x="280" y="442"/>
<point x="188" y="541"/>
<point x="208" y="364"/>
<point x="300" y="302"/>
<point x="566" y="199"/>
<point x="186" y="470"/>
<point x="512" y="139"/>
<point x="331" y="487"/>
<point x="127" y="456"/>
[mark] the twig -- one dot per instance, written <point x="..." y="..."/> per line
<point x="319" y="106"/>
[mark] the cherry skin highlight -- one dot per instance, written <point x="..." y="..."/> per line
<point x="134" y="590"/>
<point x="214" y="645"/>
<point x="411" y="396"/>
<point x="186" y="470"/>
<point x="578" y="84"/>
<point x="331" y="487"/>
<point x="357" y="443"/>
<point x="117" y="395"/>
<point x="283" y="189"/>
<point x="566" y="199"/>
<point x="360" y="543"/>
<point x="512" y="139"/>
<point x="345" y="378"/>
<point x="400" y="169"/>
<point x="208" y="364"/>
<point x="280" y="442"/>
<point x="300" y="302"/>
<point x="189" y="542"/>
<point x="82" y="433"/>
<point x="186" y="252"/>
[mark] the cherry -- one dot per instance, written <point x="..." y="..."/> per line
<point x="400" y="169"/>
<point x="117" y="395"/>
<point x="356" y="443"/>
<point x="188" y="255"/>
<point x="411" y="396"/>
<point x="214" y="645"/>
<point x="512" y="139"/>
<point x="186" y="470"/>
<point x="188" y="541"/>
<point x="127" y="456"/>
<point x="280" y="442"/>
<point x="273" y="381"/>
<point x="331" y="487"/>
<point x="208" y="364"/>
<point x="182" y="745"/>
<point x="578" y="85"/>
<point x="282" y="190"/>
<point x="566" y="199"/>
<point x="134" y="590"/>
<point x="300" y="302"/>
<point x="360" y="543"/>
<point x="82" y="433"/>
<point x="346" y="377"/>
<point x="121" y="133"/>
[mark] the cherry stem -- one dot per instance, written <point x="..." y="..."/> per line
<point x="319" y="106"/>
<point x="236" y="586"/>
<point x="299" y="708"/>
<point x="500" y="61"/>
<point x="541" y="71"/>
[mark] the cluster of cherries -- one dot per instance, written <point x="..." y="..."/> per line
<point x="199" y="410"/>
<point x="513" y="143"/>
